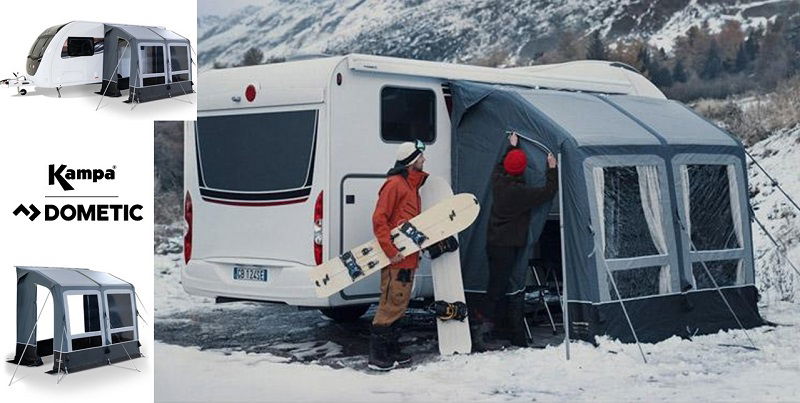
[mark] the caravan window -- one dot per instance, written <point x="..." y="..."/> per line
<point x="259" y="152"/>
<point x="712" y="215"/>
<point x="408" y="114"/>
<point x="151" y="59"/>
<point x="79" y="46"/>
<point x="37" y="50"/>
<point x="179" y="63"/>
<point x="83" y="320"/>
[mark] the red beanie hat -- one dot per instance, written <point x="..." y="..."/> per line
<point x="515" y="162"/>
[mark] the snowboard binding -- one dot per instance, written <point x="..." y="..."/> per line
<point x="413" y="233"/>
<point x="449" y="244"/>
<point x="449" y="310"/>
<point x="353" y="269"/>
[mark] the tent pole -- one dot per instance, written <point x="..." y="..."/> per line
<point x="136" y="294"/>
<point x="693" y="248"/>
<point x="624" y="310"/>
<point x="112" y="75"/>
<point x="772" y="180"/>
<point x="780" y="248"/>
<point x="129" y="357"/>
<point x="60" y="357"/>
<point x="564" y="302"/>
<point x="29" y="337"/>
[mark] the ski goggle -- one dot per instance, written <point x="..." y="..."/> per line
<point x="419" y="145"/>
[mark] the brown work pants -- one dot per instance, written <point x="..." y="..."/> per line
<point x="395" y="294"/>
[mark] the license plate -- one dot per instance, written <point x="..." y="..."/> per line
<point x="249" y="273"/>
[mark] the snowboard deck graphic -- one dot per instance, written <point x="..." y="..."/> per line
<point x="448" y="286"/>
<point x="438" y="221"/>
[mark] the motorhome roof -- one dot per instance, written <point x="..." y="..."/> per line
<point x="587" y="75"/>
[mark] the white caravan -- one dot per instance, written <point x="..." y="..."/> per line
<point x="283" y="167"/>
<point x="64" y="55"/>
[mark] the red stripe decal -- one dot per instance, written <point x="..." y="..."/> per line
<point x="255" y="204"/>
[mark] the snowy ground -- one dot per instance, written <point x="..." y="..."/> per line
<point x="710" y="367"/>
<point x="677" y="370"/>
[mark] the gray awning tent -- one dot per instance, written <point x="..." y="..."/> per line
<point x="151" y="62"/>
<point x="651" y="193"/>
<point x="94" y="319"/>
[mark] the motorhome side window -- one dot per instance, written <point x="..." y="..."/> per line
<point x="81" y="46"/>
<point x="408" y="114"/>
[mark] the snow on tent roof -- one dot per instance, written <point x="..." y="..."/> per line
<point x="673" y="121"/>
<point x="588" y="119"/>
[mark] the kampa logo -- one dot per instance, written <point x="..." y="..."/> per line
<point x="63" y="175"/>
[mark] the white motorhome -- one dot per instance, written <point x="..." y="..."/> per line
<point x="283" y="167"/>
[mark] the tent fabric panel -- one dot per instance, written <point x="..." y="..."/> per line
<point x="588" y="119"/>
<point x="659" y="318"/>
<point x="141" y="33"/>
<point x="67" y="277"/>
<point x="479" y="141"/>
<point x="95" y="357"/>
<point x="673" y="121"/>
<point x="105" y="279"/>
<point x="155" y="92"/>
<point x="168" y="35"/>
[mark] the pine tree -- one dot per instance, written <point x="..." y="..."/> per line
<point x="713" y="64"/>
<point x="252" y="57"/>
<point x="596" y="49"/>
<point x="741" y="59"/>
<point x="679" y="72"/>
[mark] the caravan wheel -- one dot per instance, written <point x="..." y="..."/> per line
<point x="23" y="91"/>
<point x="348" y="313"/>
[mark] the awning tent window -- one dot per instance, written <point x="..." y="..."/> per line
<point x="630" y="229"/>
<point x="179" y="63"/>
<point x="153" y="64"/>
<point x="121" y="313"/>
<point x="712" y="216"/>
<point x="84" y="326"/>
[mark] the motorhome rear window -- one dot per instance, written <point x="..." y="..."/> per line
<point x="408" y="114"/>
<point x="256" y="152"/>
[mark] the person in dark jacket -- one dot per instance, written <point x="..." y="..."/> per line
<point x="509" y="220"/>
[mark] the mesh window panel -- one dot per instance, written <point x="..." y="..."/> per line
<point x="724" y="272"/>
<point x="710" y="208"/>
<point x="627" y="234"/>
<point x="637" y="282"/>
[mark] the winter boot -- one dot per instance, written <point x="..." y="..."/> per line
<point x="379" y="341"/>
<point x="516" y="318"/>
<point x="395" y="353"/>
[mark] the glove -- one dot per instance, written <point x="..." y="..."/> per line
<point x="448" y="244"/>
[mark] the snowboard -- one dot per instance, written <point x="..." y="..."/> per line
<point x="441" y="220"/>
<point x="448" y="287"/>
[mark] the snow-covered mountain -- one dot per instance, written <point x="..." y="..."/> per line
<point x="511" y="31"/>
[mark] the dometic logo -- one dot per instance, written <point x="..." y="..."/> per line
<point x="63" y="175"/>
<point x="83" y="212"/>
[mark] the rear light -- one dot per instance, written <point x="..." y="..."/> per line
<point x="250" y="93"/>
<point x="187" y="238"/>
<point x="318" y="229"/>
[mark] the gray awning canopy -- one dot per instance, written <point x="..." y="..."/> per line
<point x="94" y="317"/>
<point x="642" y="181"/>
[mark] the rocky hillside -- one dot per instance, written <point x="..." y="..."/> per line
<point x="476" y="32"/>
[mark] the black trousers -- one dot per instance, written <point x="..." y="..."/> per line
<point x="501" y="262"/>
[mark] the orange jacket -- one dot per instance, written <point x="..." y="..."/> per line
<point x="398" y="201"/>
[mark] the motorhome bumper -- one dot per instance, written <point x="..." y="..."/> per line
<point x="288" y="284"/>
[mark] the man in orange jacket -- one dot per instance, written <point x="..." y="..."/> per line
<point x="398" y="201"/>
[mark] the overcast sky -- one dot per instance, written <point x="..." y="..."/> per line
<point x="221" y="7"/>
